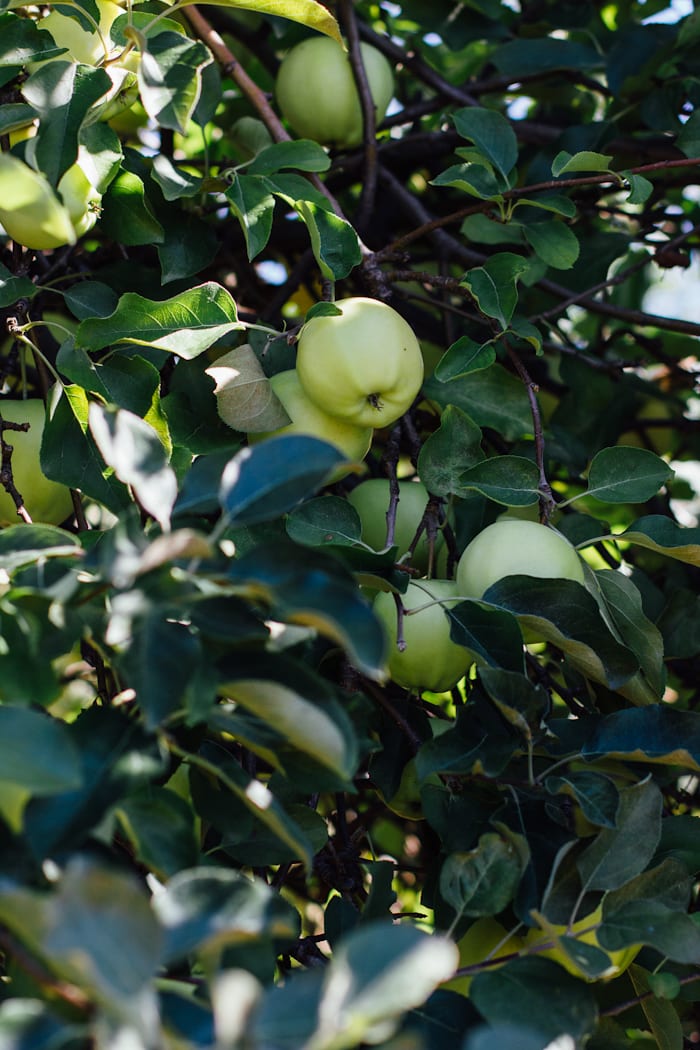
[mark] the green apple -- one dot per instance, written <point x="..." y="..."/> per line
<point x="371" y="499"/>
<point x="430" y="660"/>
<point x="485" y="939"/>
<point x="46" y="501"/>
<point x="30" y="211"/>
<point x="308" y="418"/>
<point x="81" y="199"/>
<point x="317" y="94"/>
<point x="86" y="46"/>
<point x="586" y="931"/>
<point x="363" y="365"/>
<point x="513" y="547"/>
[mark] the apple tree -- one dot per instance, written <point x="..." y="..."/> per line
<point x="349" y="543"/>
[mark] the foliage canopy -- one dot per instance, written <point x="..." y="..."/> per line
<point x="221" y="823"/>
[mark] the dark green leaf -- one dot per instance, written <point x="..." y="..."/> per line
<point x="13" y="288"/>
<point x="463" y="357"/>
<point x="302" y="154"/>
<point x="253" y="205"/>
<point x="585" y="160"/>
<point x="662" y="534"/>
<point x="484" y="880"/>
<point x="327" y="520"/>
<point x="656" y="734"/>
<point x="493" y="636"/>
<point x="553" y="242"/>
<point x="626" y="475"/>
<point x="127" y="215"/>
<point x="186" y="325"/>
<point x="491" y="133"/>
<point x="445" y="454"/>
<point x="492" y="397"/>
<point x="170" y="78"/>
<point x="265" y="481"/>
<point x="494" y="285"/>
<point x="511" y="480"/>
<point x="37" y="753"/>
<point x="617" y="854"/>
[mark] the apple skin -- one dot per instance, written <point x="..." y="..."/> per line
<point x="512" y="547"/>
<point x="371" y="499"/>
<point x="485" y="937"/>
<point x="620" y="960"/>
<point x="307" y="418"/>
<point x="431" y="660"/>
<point x="31" y="213"/>
<point x="45" y="500"/>
<point x="317" y="95"/>
<point x="363" y="365"/>
<point x="81" y="199"/>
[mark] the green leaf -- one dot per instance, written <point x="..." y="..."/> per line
<point x="494" y="285"/>
<point x="491" y="397"/>
<point x="511" y="480"/>
<point x="309" y="13"/>
<point x="206" y="909"/>
<point x="13" y="288"/>
<point x="263" y="482"/>
<point x="484" y="880"/>
<point x="379" y="972"/>
<point x="126" y="213"/>
<point x="314" y="590"/>
<point x="540" y="54"/>
<point x="334" y="242"/>
<point x="463" y="357"/>
<point x="186" y="325"/>
<point x="656" y="734"/>
<point x="555" y="202"/>
<point x="624" y="474"/>
<point x="253" y="205"/>
<point x="170" y="78"/>
<point x="585" y="160"/>
<point x="161" y="684"/>
<point x="476" y="179"/>
<point x="597" y="795"/>
<point x="69" y="453"/>
<point x="617" y="854"/>
<point x="491" y="133"/>
<point x="641" y="189"/>
<point x="563" y="612"/>
<point x="22" y="545"/>
<point x="662" y="1017"/>
<point x="132" y="448"/>
<point x="300" y="154"/>
<point x="37" y="752"/>
<point x="324" y="521"/>
<point x="624" y="604"/>
<point x="160" y="828"/>
<point x="661" y="534"/>
<point x="456" y="444"/>
<point x="21" y="41"/>
<point x="523" y="990"/>
<point x="668" y="930"/>
<point x="688" y="140"/>
<point x="492" y="635"/>
<point x="520" y="703"/>
<point x="501" y="1034"/>
<point x="175" y="183"/>
<point x="553" y="242"/>
<point x="61" y="92"/>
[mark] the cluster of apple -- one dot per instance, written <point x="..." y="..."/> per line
<point x="357" y="369"/>
<point x="32" y="212"/>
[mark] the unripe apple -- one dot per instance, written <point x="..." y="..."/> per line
<point x="363" y="365"/>
<point x="81" y="199"/>
<point x="46" y="501"/>
<point x="317" y="94"/>
<point x="485" y="939"/>
<point x="512" y="547"/>
<point x="371" y="500"/>
<point x="430" y="660"/>
<point x="308" y="418"/>
<point x="585" y="930"/>
<point x="30" y="211"/>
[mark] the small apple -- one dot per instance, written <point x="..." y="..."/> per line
<point x="317" y="94"/>
<point x="430" y="660"/>
<point x="307" y="418"/>
<point x="46" y="501"/>
<point x="585" y="930"/>
<point x="513" y="547"/>
<point x="81" y="199"/>
<point x="486" y="939"/>
<point x="371" y="499"/>
<point x="30" y="211"/>
<point x="363" y="365"/>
